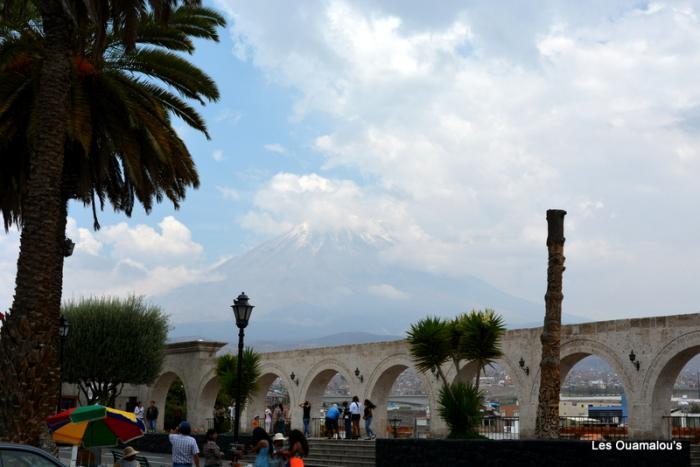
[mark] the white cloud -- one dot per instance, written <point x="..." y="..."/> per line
<point x="465" y="130"/>
<point x="217" y="155"/>
<point x="228" y="115"/>
<point x="229" y="193"/>
<point x="119" y="260"/>
<point x="387" y="291"/>
<point x="173" y="242"/>
<point x="275" y="147"/>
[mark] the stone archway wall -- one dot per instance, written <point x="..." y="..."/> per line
<point x="380" y="383"/>
<point x="662" y="344"/>
<point x="664" y="368"/>
<point x="207" y="391"/>
<point x="573" y="351"/>
<point x="256" y="407"/>
<point x="159" y="394"/>
<point x="314" y="386"/>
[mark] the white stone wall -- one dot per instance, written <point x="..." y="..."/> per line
<point x="662" y="345"/>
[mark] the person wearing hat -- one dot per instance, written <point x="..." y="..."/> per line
<point x="128" y="458"/>
<point x="278" y="459"/>
<point x="185" y="449"/>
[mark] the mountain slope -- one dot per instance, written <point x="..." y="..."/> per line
<point x="306" y="284"/>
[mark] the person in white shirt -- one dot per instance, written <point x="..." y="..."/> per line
<point x="355" y="414"/>
<point x="138" y="411"/>
<point x="185" y="449"/>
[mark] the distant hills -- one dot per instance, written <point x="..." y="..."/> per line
<point x="335" y="284"/>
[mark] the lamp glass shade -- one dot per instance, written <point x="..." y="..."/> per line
<point x="242" y="310"/>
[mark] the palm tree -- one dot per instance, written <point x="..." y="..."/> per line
<point x="481" y="333"/>
<point x="117" y="144"/>
<point x="226" y="370"/>
<point x="474" y="336"/>
<point x="547" y="421"/>
<point x="430" y="346"/>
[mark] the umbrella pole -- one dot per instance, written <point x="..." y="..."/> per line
<point x="74" y="456"/>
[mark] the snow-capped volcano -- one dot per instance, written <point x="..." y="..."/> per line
<point x="306" y="283"/>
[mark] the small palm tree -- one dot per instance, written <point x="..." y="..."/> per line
<point x="474" y="336"/>
<point x="460" y="407"/>
<point x="429" y="345"/>
<point x="480" y="338"/>
<point x="226" y="370"/>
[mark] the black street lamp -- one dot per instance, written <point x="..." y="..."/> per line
<point x="242" y="311"/>
<point x="63" y="327"/>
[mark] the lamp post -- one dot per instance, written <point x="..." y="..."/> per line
<point x="63" y="328"/>
<point x="242" y="311"/>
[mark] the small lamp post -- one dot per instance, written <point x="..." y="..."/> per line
<point x="242" y="311"/>
<point x="63" y="328"/>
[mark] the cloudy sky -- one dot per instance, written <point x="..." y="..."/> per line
<point x="451" y="126"/>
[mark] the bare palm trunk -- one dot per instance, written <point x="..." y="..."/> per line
<point x="547" y="423"/>
<point x="29" y="337"/>
<point x="478" y="377"/>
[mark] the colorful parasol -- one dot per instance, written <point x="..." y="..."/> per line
<point x="95" y="426"/>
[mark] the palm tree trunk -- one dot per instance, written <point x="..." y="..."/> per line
<point x="547" y="422"/>
<point x="478" y="377"/>
<point x="29" y="337"/>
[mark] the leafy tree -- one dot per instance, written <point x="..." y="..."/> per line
<point x="433" y="342"/>
<point x="58" y="142"/>
<point x="226" y="370"/>
<point x="113" y="342"/>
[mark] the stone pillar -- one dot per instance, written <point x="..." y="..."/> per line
<point x="527" y="418"/>
<point x="641" y="420"/>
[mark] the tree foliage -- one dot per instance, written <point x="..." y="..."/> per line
<point x="473" y="336"/>
<point x="113" y="342"/>
<point x="120" y="142"/>
<point x="460" y="407"/>
<point x="227" y="368"/>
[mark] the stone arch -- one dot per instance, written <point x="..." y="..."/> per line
<point x="269" y="372"/>
<point x="574" y="351"/>
<point x="208" y="390"/>
<point x="159" y="393"/>
<point x="657" y="386"/>
<point x="316" y="380"/>
<point x="380" y="382"/>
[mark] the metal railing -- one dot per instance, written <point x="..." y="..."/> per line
<point x="500" y="427"/>
<point x="593" y="428"/>
<point x="683" y="427"/>
<point x="579" y="428"/>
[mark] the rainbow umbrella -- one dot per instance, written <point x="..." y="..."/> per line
<point x="95" y="426"/>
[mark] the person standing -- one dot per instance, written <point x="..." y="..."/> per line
<point x="278" y="416"/>
<point x="347" y="422"/>
<point x="368" y="418"/>
<point x="212" y="452"/>
<point x="231" y="414"/>
<point x="268" y="419"/>
<point x="185" y="449"/>
<point x="332" y="416"/>
<point x="151" y="417"/>
<point x="138" y="411"/>
<point x="306" y="418"/>
<point x="355" y="414"/>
